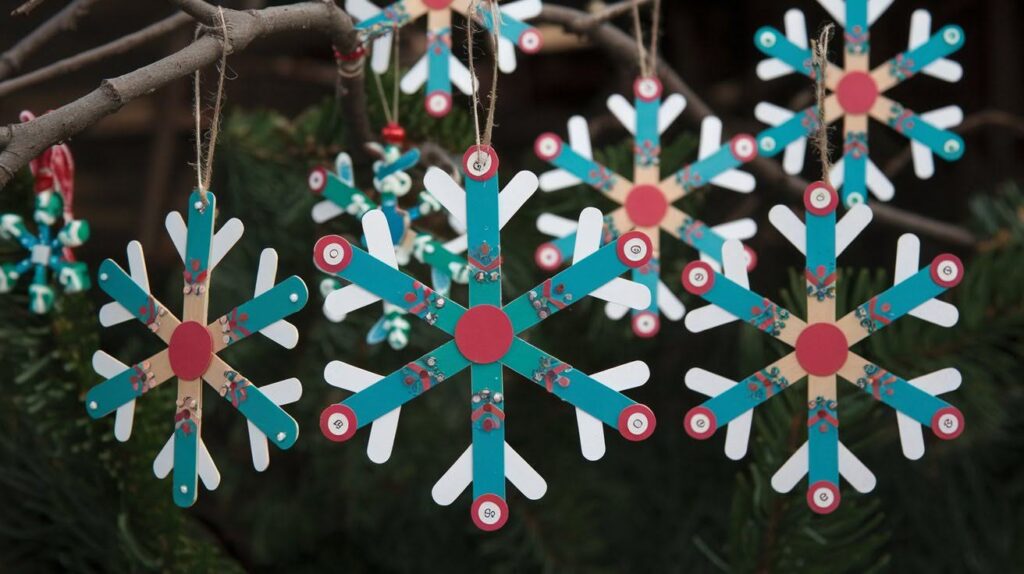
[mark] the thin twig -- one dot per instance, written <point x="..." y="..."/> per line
<point x="25" y="141"/>
<point x="14" y="58"/>
<point x="26" y="8"/>
<point x="78" y="61"/>
<point x="621" y="48"/>
<point x="609" y="13"/>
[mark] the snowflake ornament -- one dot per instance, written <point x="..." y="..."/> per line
<point x="47" y="251"/>
<point x="858" y="93"/>
<point x="438" y="68"/>
<point x="391" y="182"/>
<point x="647" y="199"/>
<point x="193" y="347"/>
<point x="485" y="337"/>
<point x="821" y="348"/>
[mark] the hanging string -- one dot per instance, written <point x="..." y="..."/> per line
<point x="819" y="49"/>
<point x="647" y="57"/>
<point x="485" y="139"/>
<point x="203" y="174"/>
<point x="390" y="114"/>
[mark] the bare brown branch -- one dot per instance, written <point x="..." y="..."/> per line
<point x="26" y="8"/>
<point x="621" y="48"/>
<point x="14" y="58"/>
<point x="25" y="141"/>
<point x="610" y="13"/>
<point x="119" y="46"/>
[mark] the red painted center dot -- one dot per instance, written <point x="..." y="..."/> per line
<point x="857" y="92"/>
<point x="437" y="4"/>
<point x="484" y="334"/>
<point x="190" y="350"/>
<point x="646" y="206"/>
<point x="821" y="349"/>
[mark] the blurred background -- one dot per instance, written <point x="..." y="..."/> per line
<point x="74" y="499"/>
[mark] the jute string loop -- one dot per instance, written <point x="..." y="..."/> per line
<point x="484" y="139"/>
<point x="647" y="57"/>
<point x="204" y="171"/>
<point x="819" y="50"/>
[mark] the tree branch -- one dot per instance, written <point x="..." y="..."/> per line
<point x="14" y="58"/>
<point x="27" y="140"/>
<point x="610" y="13"/>
<point x="119" y="46"/>
<point x="621" y="48"/>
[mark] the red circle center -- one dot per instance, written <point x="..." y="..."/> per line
<point x="483" y="334"/>
<point x="646" y="206"/>
<point x="821" y="349"/>
<point x="437" y="4"/>
<point x="190" y="350"/>
<point x="857" y="92"/>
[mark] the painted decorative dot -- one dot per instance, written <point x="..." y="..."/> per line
<point x="489" y="512"/>
<point x="183" y="489"/>
<point x="294" y="297"/>
<point x="547" y="146"/>
<point x="480" y="162"/>
<point x="634" y="249"/>
<point x="317" y="179"/>
<point x="768" y="143"/>
<point x="636" y="422"/>
<point x="338" y="422"/>
<point x="951" y="146"/>
<point x="530" y="41"/>
<point x="857" y="92"/>
<point x="332" y="253"/>
<point x="104" y="277"/>
<point x="93" y="405"/>
<point x="820" y="199"/>
<point x="647" y="89"/>
<point x="484" y="334"/>
<point x="548" y="257"/>
<point x="951" y="35"/>
<point x="947" y="270"/>
<point x="698" y="277"/>
<point x="438" y="104"/>
<point x="700" y="423"/>
<point x="822" y="349"/>
<point x="646" y="324"/>
<point x="281" y="436"/>
<point x="948" y="423"/>
<point x="823" y="497"/>
<point x="646" y="205"/>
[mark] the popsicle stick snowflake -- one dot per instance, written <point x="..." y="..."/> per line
<point x="48" y="250"/>
<point x="821" y="348"/>
<point x="193" y="347"/>
<point x="485" y="336"/>
<point x="391" y="182"/>
<point x="646" y="200"/>
<point x="438" y="68"/>
<point x="858" y="93"/>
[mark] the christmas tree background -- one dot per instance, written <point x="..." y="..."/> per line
<point x="74" y="499"/>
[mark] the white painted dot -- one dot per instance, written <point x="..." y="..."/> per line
<point x="768" y="143"/>
<point x="635" y="249"/>
<point x="648" y="88"/>
<point x="951" y="146"/>
<point x="294" y="297"/>
<point x="281" y="436"/>
<point x="183" y="489"/>
<point x="767" y="39"/>
<point x="489" y="513"/>
<point x="93" y="405"/>
<point x="334" y="253"/>
<point x="821" y="198"/>
<point x="699" y="277"/>
<point x="637" y="424"/>
<point x="823" y="497"/>
<point x="948" y="270"/>
<point x="104" y="277"/>
<point x="949" y="423"/>
<point x="548" y="147"/>
<point x="478" y="163"/>
<point x="437" y="103"/>
<point x="337" y="424"/>
<point x="700" y="423"/>
<point x="316" y="179"/>
<point x="197" y="205"/>
<point x="645" y="324"/>
<point x="951" y="36"/>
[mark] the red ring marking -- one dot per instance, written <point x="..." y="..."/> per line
<point x="734" y="145"/>
<point x="190" y="350"/>
<point x="751" y="257"/>
<point x="484" y="334"/>
<point x="468" y="157"/>
<point x="645" y="315"/>
<point x="538" y="257"/>
<point x="346" y="412"/>
<point x="833" y="198"/>
<point x="694" y="433"/>
<point x="323" y="178"/>
<point x="646" y="205"/>
<point x="624" y="422"/>
<point x="821" y="349"/>
<point x="545" y="156"/>
<point x="947" y="411"/>
<point x="474" y="512"/>
<point x="857" y="92"/>
<point x="657" y="92"/>
<point x="620" y="249"/>
<point x="440" y="112"/>
<point x="321" y="261"/>
<point x="702" y="289"/>
<point x="531" y="32"/>
<point x="828" y="486"/>
<point x="937" y="277"/>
